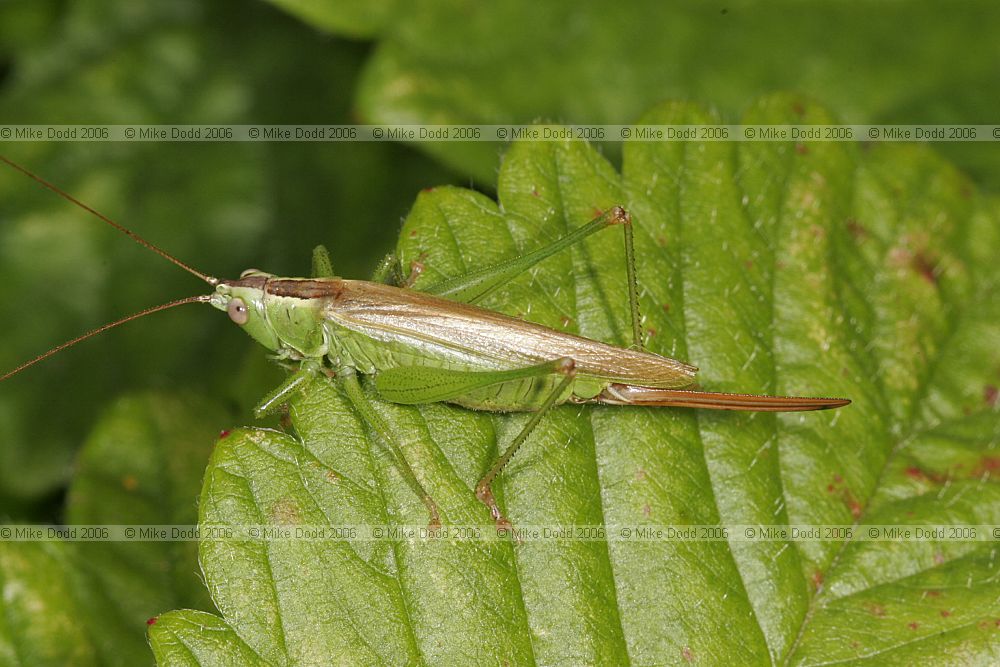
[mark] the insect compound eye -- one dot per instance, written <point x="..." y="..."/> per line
<point x="237" y="311"/>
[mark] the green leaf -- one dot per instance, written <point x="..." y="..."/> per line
<point x="515" y="62"/>
<point x="87" y="602"/>
<point x="812" y="268"/>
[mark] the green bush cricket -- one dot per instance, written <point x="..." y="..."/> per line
<point x="436" y="345"/>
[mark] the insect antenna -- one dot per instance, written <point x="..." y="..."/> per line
<point x="124" y="230"/>
<point x="200" y="298"/>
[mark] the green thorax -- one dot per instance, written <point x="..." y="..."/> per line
<point x="290" y="317"/>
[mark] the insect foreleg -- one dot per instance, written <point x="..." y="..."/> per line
<point x="368" y="413"/>
<point x="484" y="491"/>
<point x="273" y="401"/>
<point x="473" y="286"/>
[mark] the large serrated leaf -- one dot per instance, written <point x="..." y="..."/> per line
<point x="789" y="268"/>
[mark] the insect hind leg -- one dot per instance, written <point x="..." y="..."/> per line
<point x="473" y="286"/>
<point x="484" y="491"/>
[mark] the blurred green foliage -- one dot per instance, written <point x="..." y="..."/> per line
<point x="220" y="207"/>
<point x="87" y="602"/>
<point x="461" y="61"/>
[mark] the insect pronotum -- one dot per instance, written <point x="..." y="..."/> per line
<point x="435" y="345"/>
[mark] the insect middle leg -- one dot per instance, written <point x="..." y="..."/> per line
<point x="415" y="385"/>
<point x="388" y="271"/>
<point x="473" y="286"/>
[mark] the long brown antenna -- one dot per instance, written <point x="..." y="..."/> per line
<point x="201" y="298"/>
<point x="124" y="230"/>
